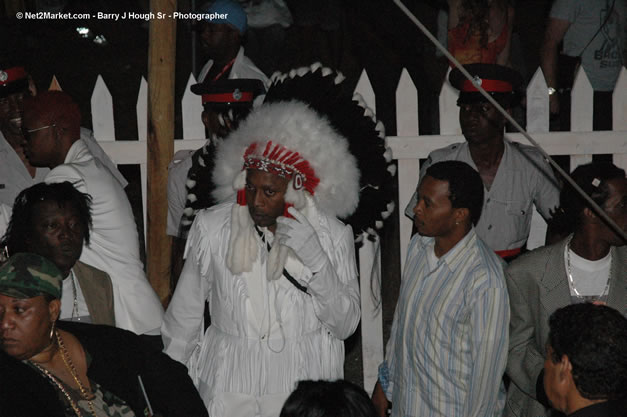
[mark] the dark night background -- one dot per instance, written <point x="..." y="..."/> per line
<point x="347" y="35"/>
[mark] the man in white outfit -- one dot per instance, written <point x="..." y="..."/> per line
<point x="52" y="139"/>
<point x="276" y="266"/>
<point x="16" y="173"/>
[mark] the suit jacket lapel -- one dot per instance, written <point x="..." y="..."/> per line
<point x="617" y="297"/>
<point x="95" y="294"/>
<point x="555" y="292"/>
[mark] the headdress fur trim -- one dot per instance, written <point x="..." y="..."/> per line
<point x="299" y="129"/>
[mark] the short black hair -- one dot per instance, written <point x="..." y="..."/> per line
<point x="21" y="224"/>
<point x="328" y="399"/>
<point x="594" y="337"/>
<point x="592" y="178"/>
<point x="464" y="185"/>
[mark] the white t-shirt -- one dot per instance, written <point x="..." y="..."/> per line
<point x="590" y="277"/>
<point x="67" y="301"/>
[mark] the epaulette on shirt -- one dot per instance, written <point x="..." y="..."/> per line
<point x="530" y="150"/>
<point x="442" y="153"/>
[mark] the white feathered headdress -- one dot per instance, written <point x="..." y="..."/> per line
<point x="293" y="141"/>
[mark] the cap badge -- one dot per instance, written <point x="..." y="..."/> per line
<point x="237" y="94"/>
<point x="476" y="80"/>
<point x="3" y="76"/>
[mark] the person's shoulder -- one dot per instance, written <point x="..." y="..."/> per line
<point x="488" y="264"/>
<point x="91" y="335"/>
<point x="528" y="155"/>
<point x="530" y="261"/>
<point x="447" y="152"/>
<point x="621" y="255"/>
<point x="524" y="149"/>
<point x="82" y="267"/>
<point x="179" y="167"/>
<point x="64" y="172"/>
<point x="332" y="223"/>
<point x="213" y="219"/>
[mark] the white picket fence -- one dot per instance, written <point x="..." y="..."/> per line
<point x="407" y="148"/>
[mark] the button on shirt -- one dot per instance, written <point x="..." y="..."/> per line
<point x="523" y="179"/>
<point x="448" y="347"/>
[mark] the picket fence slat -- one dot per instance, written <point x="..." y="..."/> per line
<point x="407" y="100"/>
<point x="191" y="108"/>
<point x="619" y="102"/>
<point x="537" y="104"/>
<point x="102" y="112"/>
<point x="142" y="111"/>
<point x="449" y="112"/>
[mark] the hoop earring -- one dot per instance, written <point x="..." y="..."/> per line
<point x="52" y="331"/>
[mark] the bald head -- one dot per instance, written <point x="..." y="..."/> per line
<point x="55" y="107"/>
<point x="51" y="126"/>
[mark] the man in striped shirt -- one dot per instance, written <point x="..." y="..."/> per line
<point x="448" y="347"/>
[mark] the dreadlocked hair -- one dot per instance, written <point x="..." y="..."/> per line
<point x="21" y="225"/>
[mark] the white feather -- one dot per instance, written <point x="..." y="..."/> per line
<point x="294" y="125"/>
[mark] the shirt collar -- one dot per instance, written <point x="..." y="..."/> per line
<point x="75" y="150"/>
<point x="457" y="253"/>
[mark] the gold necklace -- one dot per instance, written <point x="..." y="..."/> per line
<point x="75" y="297"/>
<point x="60" y="386"/>
<point x="67" y="360"/>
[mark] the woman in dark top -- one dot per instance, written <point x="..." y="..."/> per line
<point x="51" y="368"/>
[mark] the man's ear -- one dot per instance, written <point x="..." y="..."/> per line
<point x="565" y="370"/>
<point x="32" y="88"/>
<point x="461" y="215"/>
<point x="589" y="216"/>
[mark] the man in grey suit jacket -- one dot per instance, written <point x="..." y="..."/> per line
<point x="590" y="265"/>
<point x="53" y="220"/>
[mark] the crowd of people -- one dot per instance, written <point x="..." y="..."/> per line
<point x="264" y="219"/>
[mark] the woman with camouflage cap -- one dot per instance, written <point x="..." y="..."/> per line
<point x="61" y="369"/>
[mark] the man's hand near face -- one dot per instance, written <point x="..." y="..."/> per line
<point x="299" y="235"/>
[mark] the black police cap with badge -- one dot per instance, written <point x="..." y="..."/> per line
<point x="224" y="94"/>
<point x="13" y="79"/>
<point x="502" y="83"/>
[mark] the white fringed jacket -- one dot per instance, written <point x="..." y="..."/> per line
<point x="264" y="335"/>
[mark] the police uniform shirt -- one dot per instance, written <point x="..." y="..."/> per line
<point x="523" y="178"/>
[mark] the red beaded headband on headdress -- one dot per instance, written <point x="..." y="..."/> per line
<point x="278" y="160"/>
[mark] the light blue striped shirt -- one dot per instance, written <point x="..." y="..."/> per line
<point x="448" y="347"/>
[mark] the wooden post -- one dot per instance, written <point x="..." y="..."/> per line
<point x="161" y="58"/>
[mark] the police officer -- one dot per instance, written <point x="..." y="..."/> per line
<point x="514" y="176"/>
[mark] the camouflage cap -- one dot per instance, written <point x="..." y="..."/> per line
<point x="26" y="275"/>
